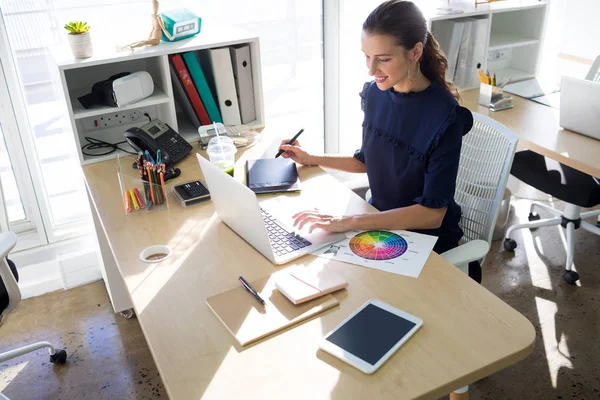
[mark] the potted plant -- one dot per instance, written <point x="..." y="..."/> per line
<point x="79" y="39"/>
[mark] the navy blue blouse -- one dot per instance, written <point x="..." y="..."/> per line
<point x="411" y="148"/>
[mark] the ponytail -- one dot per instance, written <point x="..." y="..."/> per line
<point x="434" y="64"/>
<point x="405" y="23"/>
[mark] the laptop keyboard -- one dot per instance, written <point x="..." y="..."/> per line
<point x="282" y="241"/>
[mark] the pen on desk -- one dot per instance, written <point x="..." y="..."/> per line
<point x="292" y="140"/>
<point x="249" y="288"/>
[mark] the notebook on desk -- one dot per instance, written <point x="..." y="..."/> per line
<point x="248" y="320"/>
<point x="272" y="175"/>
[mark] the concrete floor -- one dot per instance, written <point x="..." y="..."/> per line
<point x="109" y="358"/>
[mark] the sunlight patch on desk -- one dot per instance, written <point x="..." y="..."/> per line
<point x="557" y="352"/>
<point x="182" y="244"/>
<point x="8" y="374"/>
<point x="264" y="354"/>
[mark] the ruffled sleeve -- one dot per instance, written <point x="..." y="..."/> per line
<point x="442" y="162"/>
<point x="359" y="154"/>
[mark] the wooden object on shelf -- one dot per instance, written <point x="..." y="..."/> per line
<point x="155" y="34"/>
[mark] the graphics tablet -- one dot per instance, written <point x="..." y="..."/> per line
<point x="368" y="337"/>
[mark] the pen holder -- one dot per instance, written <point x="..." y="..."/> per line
<point x="139" y="195"/>
<point x="489" y="95"/>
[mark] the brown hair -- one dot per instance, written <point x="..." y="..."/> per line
<point x="403" y="21"/>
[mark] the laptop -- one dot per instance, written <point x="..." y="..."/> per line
<point x="238" y="207"/>
<point x="580" y="106"/>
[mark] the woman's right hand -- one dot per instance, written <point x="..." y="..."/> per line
<point x="295" y="152"/>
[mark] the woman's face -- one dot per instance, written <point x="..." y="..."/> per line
<point x="387" y="62"/>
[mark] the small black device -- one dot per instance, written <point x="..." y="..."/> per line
<point x="191" y="193"/>
<point x="158" y="135"/>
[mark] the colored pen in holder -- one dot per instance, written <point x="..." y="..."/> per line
<point x="143" y="189"/>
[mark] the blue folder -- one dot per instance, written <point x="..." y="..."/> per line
<point x="193" y="66"/>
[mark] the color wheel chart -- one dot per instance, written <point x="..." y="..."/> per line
<point x="399" y="252"/>
<point x="378" y="245"/>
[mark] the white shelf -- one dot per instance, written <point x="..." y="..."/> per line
<point x="514" y="75"/>
<point x="212" y="35"/>
<point x="158" y="97"/>
<point x="428" y="7"/>
<point x="506" y="40"/>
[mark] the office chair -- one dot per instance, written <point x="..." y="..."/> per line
<point x="575" y="188"/>
<point x="10" y="296"/>
<point x="485" y="159"/>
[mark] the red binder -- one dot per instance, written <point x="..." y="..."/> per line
<point x="190" y="89"/>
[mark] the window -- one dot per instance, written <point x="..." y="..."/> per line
<point x="292" y="68"/>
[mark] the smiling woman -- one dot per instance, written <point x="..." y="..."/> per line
<point x="412" y="132"/>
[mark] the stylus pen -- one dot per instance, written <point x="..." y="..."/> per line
<point x="292" y="140"/>
<point x="249" y="288"/>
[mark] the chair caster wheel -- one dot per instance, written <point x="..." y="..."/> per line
<point x="509" y="244"/>
<point x="533" y="217"/>
<point x="59" y="357"/>
<point x="128" y="313"/>
<point x="571" y="277"/>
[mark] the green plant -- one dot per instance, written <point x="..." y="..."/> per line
<point x="77" y="27"/>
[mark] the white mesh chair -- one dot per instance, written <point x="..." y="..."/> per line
<point x="485" y="160"/>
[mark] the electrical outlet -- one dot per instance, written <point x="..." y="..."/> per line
<point x="118" y="118"/>
<point x="497" y="55"/>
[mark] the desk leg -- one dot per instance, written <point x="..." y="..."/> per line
<point x="117" y="292"/>
<point x="460" y="394"/>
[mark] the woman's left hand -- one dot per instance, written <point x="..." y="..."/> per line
<point x="326" y="222"/>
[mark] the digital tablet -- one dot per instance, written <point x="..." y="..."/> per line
<point x="368" y="337"/>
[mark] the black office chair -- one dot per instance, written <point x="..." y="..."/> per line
<point x="10" y="296"/>
<point x="575" y="188"/>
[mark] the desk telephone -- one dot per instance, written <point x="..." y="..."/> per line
<point x="158" y="135"/>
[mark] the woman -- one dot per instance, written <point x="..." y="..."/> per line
<point x="412" y="133"/>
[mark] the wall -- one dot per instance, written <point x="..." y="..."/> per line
<point x="581" y="29"/>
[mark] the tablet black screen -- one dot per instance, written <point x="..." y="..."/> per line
<point x="371" y="333"/>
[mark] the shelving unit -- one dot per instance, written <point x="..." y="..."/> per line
<point x="513" y="41"/>
<point x="109" y="123"/>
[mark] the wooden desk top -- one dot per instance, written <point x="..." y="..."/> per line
<point x="468" y="333"/>
<point x="537" y="127"/>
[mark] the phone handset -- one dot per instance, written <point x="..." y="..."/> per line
<point x="158" y="135"/>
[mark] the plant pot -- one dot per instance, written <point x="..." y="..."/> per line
<point x="81" y="44"/>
